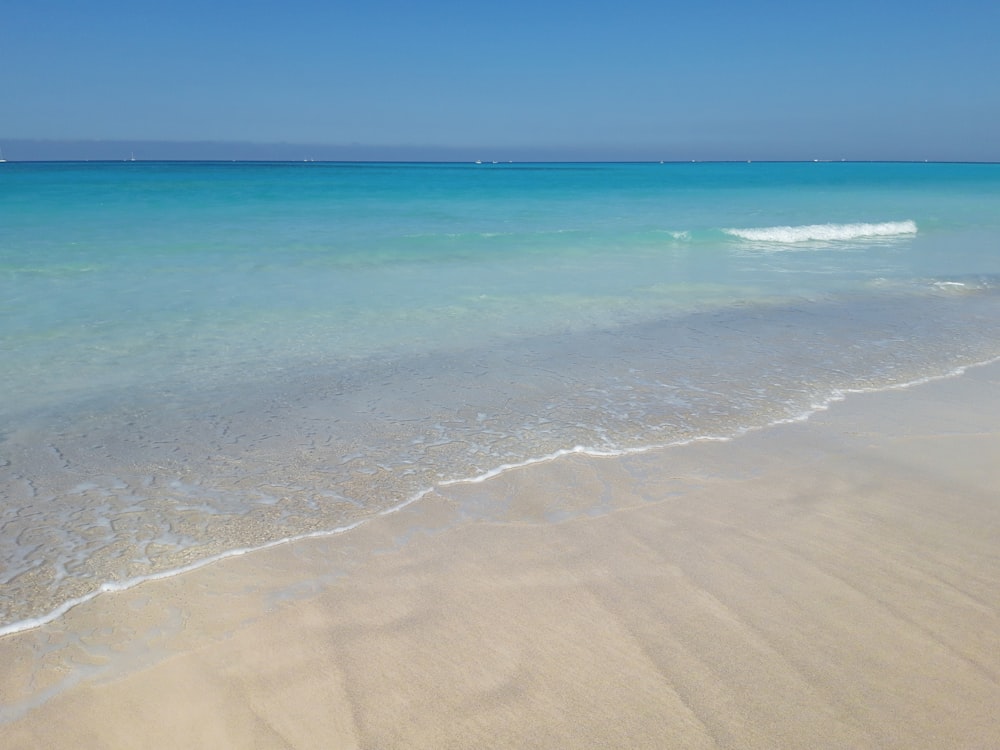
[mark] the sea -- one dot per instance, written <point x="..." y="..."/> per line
<point x="203" y="359"/>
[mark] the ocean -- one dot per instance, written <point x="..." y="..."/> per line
<point x="200" y="359"/>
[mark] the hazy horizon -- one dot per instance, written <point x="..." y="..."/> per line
<point x="39" y="150"/>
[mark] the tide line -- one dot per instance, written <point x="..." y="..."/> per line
<point x="837" y="395"/>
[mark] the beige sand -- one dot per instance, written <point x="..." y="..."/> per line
<point x="829" y="584"/>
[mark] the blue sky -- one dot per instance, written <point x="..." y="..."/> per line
<point x="706" y="80"/>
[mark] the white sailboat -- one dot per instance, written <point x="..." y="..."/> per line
<point x="2" y="160"/>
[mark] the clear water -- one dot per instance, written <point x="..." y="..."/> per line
<point x="202" y="358"/>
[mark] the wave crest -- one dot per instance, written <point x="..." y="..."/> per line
<point x="824" y="232"/>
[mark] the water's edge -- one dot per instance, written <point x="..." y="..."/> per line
<point x="835" y="396"/>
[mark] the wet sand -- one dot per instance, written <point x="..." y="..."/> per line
<point x="833" y="583"/>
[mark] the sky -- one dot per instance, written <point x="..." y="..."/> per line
<point x="713" y="79"/>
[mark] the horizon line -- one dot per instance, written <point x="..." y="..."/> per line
<point x="112" y="150"/>
<point x="492" y="163"/>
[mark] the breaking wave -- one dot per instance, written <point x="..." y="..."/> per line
<point x="824" y="232"/>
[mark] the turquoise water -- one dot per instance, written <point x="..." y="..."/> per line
<point x="202" y="358"/>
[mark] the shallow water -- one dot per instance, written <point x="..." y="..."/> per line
<point x="202" y="358"/>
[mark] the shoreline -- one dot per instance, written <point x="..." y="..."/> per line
<point x="828" y="582"/>
<point x="113" y="587"/>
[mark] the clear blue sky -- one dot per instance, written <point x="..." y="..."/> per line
<point x="708" y="79"/>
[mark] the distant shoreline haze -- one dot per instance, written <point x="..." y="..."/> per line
<point x="17" y="149"/>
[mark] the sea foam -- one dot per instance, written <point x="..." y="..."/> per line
<point x="824" y="232"/>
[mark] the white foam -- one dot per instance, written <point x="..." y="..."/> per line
<point x="115" y="586"/>
<point x="824" y="232"/>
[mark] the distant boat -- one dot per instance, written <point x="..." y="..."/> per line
<point x="132" y="156"/>
<point x="2" y="160"/>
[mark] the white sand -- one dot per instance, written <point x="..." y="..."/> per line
<point x="829" y="584"/>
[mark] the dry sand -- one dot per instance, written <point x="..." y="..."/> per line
<point x="828" y="584"/>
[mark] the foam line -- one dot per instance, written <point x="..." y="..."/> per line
<point x="824" y="232"/>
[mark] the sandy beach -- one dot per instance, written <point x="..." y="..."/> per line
<point x="826" y="584"/>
